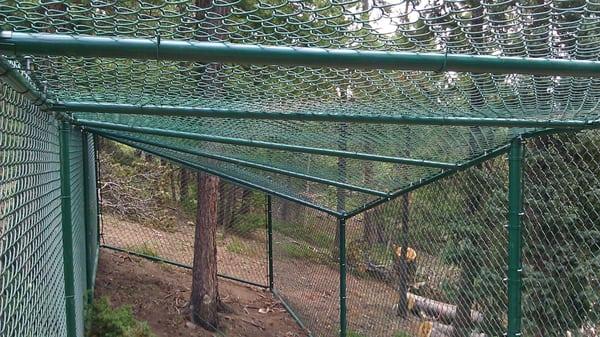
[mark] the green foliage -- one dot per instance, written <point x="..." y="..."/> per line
<point x="352" y="333"/>
<point x="143" y="249"/>
<point x="314" y="236"/>
<point x="102" y="320"/>
<point x="561" y="238"/>
<point x="303" y="252"/>
<point x="402" y="334"/>
<point x="249" y="223"/>
<point x="236" y="246"/>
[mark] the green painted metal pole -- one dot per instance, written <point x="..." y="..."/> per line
<point x="234" y="180"/>
<point x="97" y="190"/>
<point x="291" y="311"/>
<point x="342" y="254"/>
<point x="320" y="116"/>
<point x="260" y="144"/>
<point x="67" y="228"/>
<point x="515" y="204"/>
<point x="248" y="164"/>
<point x="177" y="264"/>
<point x="270" y="240"/>
<point x="15" y="43"/>
<point x="444" y="174"/>
<point x="17" y="81"/>
<point x="87" y="218"/>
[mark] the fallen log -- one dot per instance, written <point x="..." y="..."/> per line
<point x="441" y="311"/>
<point x="436" y="329"/>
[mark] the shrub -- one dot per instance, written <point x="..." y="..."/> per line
<point x="303" y="252"/>
<point x="105" y="321"/>
<point x="236" y="246"/>
<point x="401" y="334"/>
<point x="143" y="249"/>
<point x="249" y="223"/>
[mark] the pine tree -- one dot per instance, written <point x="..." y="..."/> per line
<point x="562" y="233"/>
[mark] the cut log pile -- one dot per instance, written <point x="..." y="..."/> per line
<point x="439" y="310"/>
<point x="438" y="315"/>
<point x="436" y="329"/>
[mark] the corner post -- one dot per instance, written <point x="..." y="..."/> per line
<point x="342" y="255"/>
<point x="515" y="204"/>
<point x="270" y="239"/>
<point x="67" y="228"/>
<point x="97" y="189"/>
<point x="89" y="256"/>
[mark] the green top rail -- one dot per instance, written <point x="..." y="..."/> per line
<point x="15" y="43"/>
<point x="132" y="109"/>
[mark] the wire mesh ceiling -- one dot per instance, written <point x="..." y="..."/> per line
<point x="533" y="29"/>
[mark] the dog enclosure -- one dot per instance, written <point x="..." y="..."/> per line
<point x="419" y="168"/>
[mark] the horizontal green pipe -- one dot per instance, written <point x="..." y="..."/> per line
<point x="177" y="264"/>
<point x="249" y="164"/>
<point x="234" y="180"/>
<point x="158" y="110"/>
<point x="14" y="43"/>
<point x="261" y="144"/>
<point x="20" y="84"/>
<point x="413" y="186"/>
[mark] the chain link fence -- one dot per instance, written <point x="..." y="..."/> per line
<point x="453" y="233"/>
<point x="433" y="262"/>
<point x="561" y="237"/>
<point x="305" y="265"/>
<point x="453" y="238"/>
<point x="33" y="270"/>
<point x="241" y="236"/>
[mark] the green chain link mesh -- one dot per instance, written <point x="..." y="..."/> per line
<point x="305" y="265"/>
<point x="561" y="235"/>
<point x="241" y="235"/>
<point x="456" y="259"/>
<point x="32" y="301"/>
<point x="31" y="261"/>
<point x="91" y="208"/>
<point x="567" y="29"/>
<point x="455" y="227"/>
<point x="78" y="223"/>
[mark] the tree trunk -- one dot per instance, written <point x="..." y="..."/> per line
<point x="285" y="210"/>
<point x="183" y="184"/>
<point x="226" y="205"/>
<point x="235" y="194"/>
<point x="463" y="322"/>
<point x="443" y="311"/>
<point x="204" y="301"/>
<point x="435" y="329"/>
<point x="221" y="204"/>
<point x="373" y="233"/>
<point x="246" y="201"/>
<point x="340" y="193"/>
<point x="173" y="183"/>
<point x="403" y="278"/>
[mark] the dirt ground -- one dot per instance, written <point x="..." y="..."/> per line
<point x="158" y="294"/>
<point x="178" y="246"/>
<point x="310" y="288"/>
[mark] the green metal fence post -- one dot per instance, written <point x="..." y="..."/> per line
<point x="342" y="254"/>
<point x="67" y="229"/>
<point x="87" y="221"/>
<point x="515" y="204"/>
<point x="97" y="187"/>
<point x="270" y="239"/>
